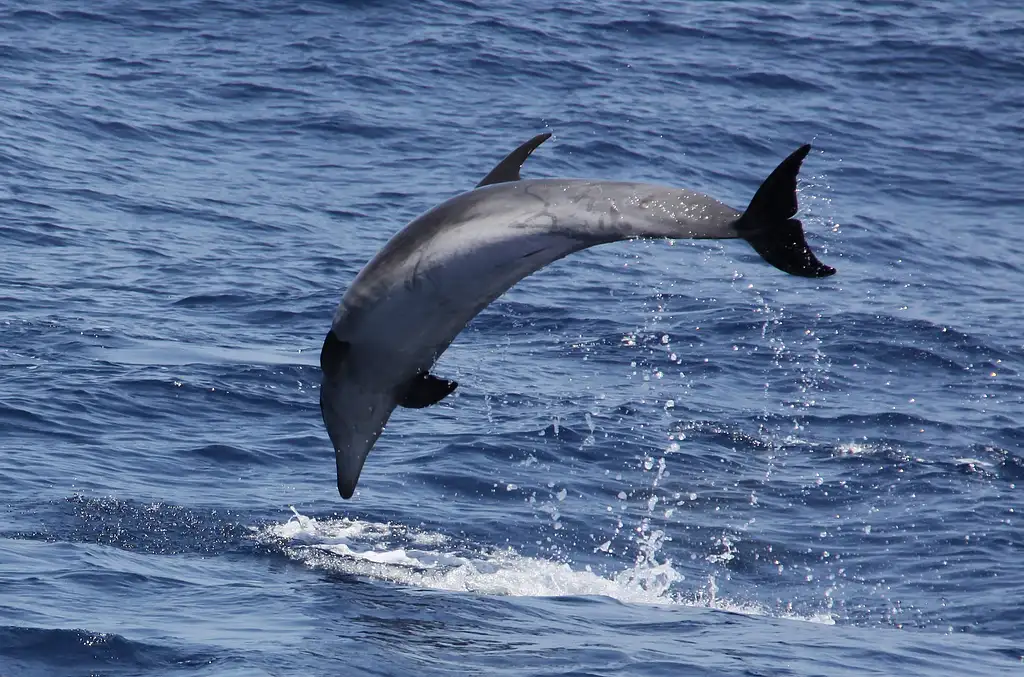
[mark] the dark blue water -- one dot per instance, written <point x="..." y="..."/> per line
<point x="662" y="459"/>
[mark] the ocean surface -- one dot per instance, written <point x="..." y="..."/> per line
<point x="664" y="458"/>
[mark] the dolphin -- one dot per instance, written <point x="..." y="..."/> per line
<point x="413" y="298"/>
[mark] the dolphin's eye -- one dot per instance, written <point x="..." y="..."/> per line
<point x="333" y="354"/>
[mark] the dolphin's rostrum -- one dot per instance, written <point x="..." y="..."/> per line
<point x="414" y="297"/>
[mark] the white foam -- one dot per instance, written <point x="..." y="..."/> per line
<point x="856" y="449"/>
<point x="416" y="558"/>
<point x="973" y="462"/>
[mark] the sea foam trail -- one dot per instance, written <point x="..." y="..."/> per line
<point x="422" y="559"/>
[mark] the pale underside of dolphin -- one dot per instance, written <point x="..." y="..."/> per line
<point x="413" y="298"/>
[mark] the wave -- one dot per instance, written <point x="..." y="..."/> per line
<point x="60" y="648"/>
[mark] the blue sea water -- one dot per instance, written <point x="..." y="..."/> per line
<point x="663" y="458"/>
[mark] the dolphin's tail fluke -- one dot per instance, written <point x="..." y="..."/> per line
<point x="768" y="224"/>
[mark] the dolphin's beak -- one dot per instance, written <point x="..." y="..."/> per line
<point x="353" y="431"/>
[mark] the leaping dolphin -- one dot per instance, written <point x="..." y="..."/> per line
<point x="413" y="298"/>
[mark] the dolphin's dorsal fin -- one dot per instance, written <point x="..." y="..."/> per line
<point x="426" y="389"/>
<point x="508" y="169"/>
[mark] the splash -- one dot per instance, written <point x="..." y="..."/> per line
<point x="423" y="559"/>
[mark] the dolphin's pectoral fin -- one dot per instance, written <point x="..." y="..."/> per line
<point x="333" y="353"/>
<point x="508" y="169"/>
<point x="425" y="390"/>
<point x="768" y="224"/>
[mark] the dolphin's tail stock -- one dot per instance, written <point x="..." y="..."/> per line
<point x="768" y="224"/>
